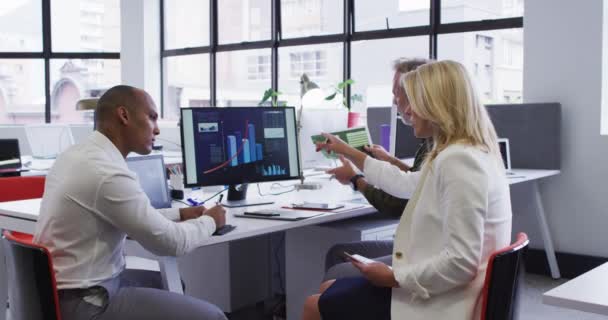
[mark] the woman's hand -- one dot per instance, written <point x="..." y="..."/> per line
<point x="334" y="144"/>
<point x="378" y="152"/>
<point x="377" y="273"/>
<point x="344" y="173"/>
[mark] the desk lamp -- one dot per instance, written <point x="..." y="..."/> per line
<point x="310" y="96"/>
<point x="88" y="104"/>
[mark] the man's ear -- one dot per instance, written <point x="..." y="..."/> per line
<point x="123" y="115"/>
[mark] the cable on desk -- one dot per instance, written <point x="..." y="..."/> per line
<point x="215" y="195"/>
<point x="276" y="193"/>
<point x="181" y="201"/>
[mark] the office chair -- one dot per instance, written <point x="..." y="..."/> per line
<point x="33" y="289"/>
<point x="21" y="188"/>
<point x="503" y="275"/>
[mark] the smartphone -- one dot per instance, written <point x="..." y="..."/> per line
<point x="358" y="258"/>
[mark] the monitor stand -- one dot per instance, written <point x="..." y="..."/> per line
<point x="237" y="197"/>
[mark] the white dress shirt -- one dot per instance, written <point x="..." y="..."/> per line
<point x="447" y="234"/>
<point x="91" y="202"/>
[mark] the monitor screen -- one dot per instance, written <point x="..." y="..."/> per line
<point x="150" y="171"/>
<point x="10" y="157"/>
<point x="404" y="143"/>
<point x="236" y="145"/>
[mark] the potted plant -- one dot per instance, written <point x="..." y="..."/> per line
<point x="272" y="94"/>
<point x="353" y="117"/>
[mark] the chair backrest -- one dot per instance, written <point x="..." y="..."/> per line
<point x="21" y="188"/>
<point x="32" y="286"/>
<point x="503" y="275"/>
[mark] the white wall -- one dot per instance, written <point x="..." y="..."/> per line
<point x="563" y="63"/>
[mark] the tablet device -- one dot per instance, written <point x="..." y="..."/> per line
<point x="357" y="138"/>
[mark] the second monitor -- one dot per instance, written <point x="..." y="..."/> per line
<point x="239" y="145"/>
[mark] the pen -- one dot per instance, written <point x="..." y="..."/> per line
<point x="219" y="201"/>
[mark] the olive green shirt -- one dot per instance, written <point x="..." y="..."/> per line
<point x="386" y="203"/>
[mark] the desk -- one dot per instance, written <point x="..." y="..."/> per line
<point x="533" y="176"/>
<point x="22" y="216"/>
<point x="586" y="292"/>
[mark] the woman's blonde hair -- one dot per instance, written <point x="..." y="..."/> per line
<point x="442" y="92"/>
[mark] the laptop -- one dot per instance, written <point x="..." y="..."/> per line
<point x="152" y="177"/>
<point x="10" y="156"/>
<point x="503" y="144"/>
<point x="47" y="141"/>
<point x="279" y="214"/>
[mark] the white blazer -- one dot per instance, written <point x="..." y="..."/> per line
<point x="445" y="236"/>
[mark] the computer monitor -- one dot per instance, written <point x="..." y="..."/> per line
<point x="313" y="122"/>
<point x="404" y="143"/>
<point x="10" y="157"/>
<point x="503" y="145"/>
<point x="239" y="145"/>
<point x="47" y="141"/>
<point x="152" y="177"/>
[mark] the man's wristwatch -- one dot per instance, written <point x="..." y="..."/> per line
<point x="354" y="179"/>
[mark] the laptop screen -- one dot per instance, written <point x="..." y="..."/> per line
<point x="150" y="171"/>
<point x="10" y="157"/>
<point x="503" y="144"/>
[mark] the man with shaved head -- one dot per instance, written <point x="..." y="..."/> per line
<point x="92" y="201"/>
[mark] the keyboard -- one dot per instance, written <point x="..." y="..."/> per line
<point x="223" y="230"/>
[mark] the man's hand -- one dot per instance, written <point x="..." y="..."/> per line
<point x="344" y="173"/>
<point x="191" y="213"/>
<point x="377" y="273"/>
<point x="378" y="152"/>
<point x="218" y="213"/>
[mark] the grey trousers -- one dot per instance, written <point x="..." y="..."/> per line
<point x="135" y="294"/>
<point x="336" y="266"/>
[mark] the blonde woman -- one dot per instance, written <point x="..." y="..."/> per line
<point x="459" y="210"/>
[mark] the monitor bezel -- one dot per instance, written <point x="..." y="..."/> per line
<point x="269" y="179"/>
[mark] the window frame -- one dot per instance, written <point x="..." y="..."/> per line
<point x="349" y="34"/>
<point x="47" y="54"/>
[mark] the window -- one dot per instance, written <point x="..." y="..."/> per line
<point x="234" y="88"/>
<point x="374" y="77"/>
<point x="88" y="31"/>
<point x="258" y="67"/>
<point x="187" y="83"/>
<point x="494" y="76"/>
<point x="75" y="79"/>
<point x="243" y="20"/>
<point x="475" y="10"/>
<point x="181" y="31"/>
<point x="303" y="18"/>
<point x="323" y="64"/>
<point x="312" y="63"/>
<point x="390" y="14"/>
<point x="21" y="91"/>
<point x="310" y="38"/>
<point x="21" y="27"/>
<point x="85" y="25"/>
